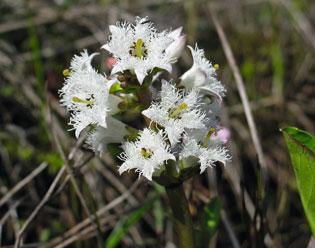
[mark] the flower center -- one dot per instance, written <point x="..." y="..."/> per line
<point x="138" y="49"/>
<point x="89" y="102"/>
<point x="146" y="153"/>
<point x="176" y="112"/>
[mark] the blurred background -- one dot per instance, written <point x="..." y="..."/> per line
<point x="273" y="43"/>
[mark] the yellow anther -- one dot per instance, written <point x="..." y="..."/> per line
<point x="146" y="153"/>
<point x="79" y="100"/>
<point x="216" y="67"/>
<point x="177" y="111"/>
<point x="66" y="72"/>
<point x="138" y="48"/>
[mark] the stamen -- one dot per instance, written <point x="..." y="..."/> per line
<point x="66" y="72"/>
<point x="138" y="48"/>
<point x="216" y="67"/>
<point x="211" y="131"/>
<point x="89" y="102"/>
<point x="177" y="111"/>
<point x="146" y="153"/>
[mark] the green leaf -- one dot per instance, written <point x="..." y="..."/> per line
<point x="212" y="211"/>
<point x="44" y="235"/>
<point x="114" y="149"/>
<point x="158" y="213"/>
<point x="53" y="159"/>
<point x="209" y="223"/>
<point x="123" y="226"/>
<point x="301" y="146"/>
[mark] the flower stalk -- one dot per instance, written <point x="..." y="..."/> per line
<point x="182" y="218"/>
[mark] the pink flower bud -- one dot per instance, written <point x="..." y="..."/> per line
<point x="110" y="62"/>
<point x="223" y="134"/>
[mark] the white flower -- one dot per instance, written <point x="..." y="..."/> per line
<point x="146" y="154"/>
<point x="211" y="155"/>
<point x="176" y="112"/>
<point x="202" y="75"/>
<point x="207" y="155"/>
<point x="174" y="50"/>
<point x="86" y="94"/>
<point x="138" y="48"/>
<point x="99" y="138"/>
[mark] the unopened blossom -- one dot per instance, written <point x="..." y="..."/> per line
<point x="174" y="50"/>
<point x="139" y="48"/>
<point x="223" y="134"/>
<point x="110" y="62"/>
<point x="86" y="94"/>
<point x="207" y="156"/>
<point x="176" y="112"/>
<point x="202" y="75"/>
<point x="146" y="155"/>
<point x="100" y="137"/>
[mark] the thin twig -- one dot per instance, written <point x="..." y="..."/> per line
<point x="99" y="213"/>
<point x="303" y="25"/>
<point x="229" y="230"/>
<point x="38" y="207"/>
<point x="22" y="183"/>
<point x="76" y="186"/>
<point x="76" y="168"/>
<point x="241" y="89"/>
<point x="45" y="199"/>
<point x="254" y="105"/>
<point x="6" y="216"/>
<point x="87" y="232"/>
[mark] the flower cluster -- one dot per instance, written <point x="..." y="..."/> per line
<point x="149" y="133"/>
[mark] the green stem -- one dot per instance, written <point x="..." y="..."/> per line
<point x="182" y="218"/>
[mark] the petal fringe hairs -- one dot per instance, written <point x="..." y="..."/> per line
<point x="149" y="123"/>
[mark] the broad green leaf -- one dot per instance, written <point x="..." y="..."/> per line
<point x="301" y="146"/>
<point x="123" y="226"/>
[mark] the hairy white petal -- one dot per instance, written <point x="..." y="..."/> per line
<point x="146" y="166"/>
<point x="85" y="93"/>
<point x="207" y="155"/>
<point x="171" y="100"/>
<point x="175" y="49"/>
<point x="202" y="75"/>
<point x="191" y="148"/>
<point x="99" y="138"/>
<point x="123" y="39"/>
<point x="211" y="155"/>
